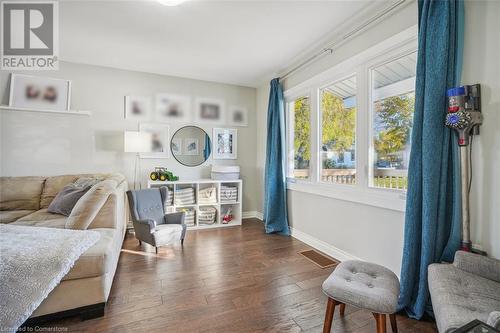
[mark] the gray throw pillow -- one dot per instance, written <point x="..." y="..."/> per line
<point x="66" y="199"/>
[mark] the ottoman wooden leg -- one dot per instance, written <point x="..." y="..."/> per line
<point x="394" y="325"/>
<point x="380" y="318"/>
<point x="330" y="309"/>
<point x="342" y="309"/>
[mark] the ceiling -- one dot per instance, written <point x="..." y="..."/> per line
<point x="236" y="42"/>
<point x="384" y="75"/>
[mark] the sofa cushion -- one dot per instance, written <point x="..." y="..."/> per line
<point x="8" y="216"/>
<point x="98" y="259"/>
<point x="87" y="208"/>
<point x="54" y="185"/>
<point x="494" y="319"/>
<point x="167" y="233"/>
<point x="20" y="193"/>
<point x="459" y="297"/>
<point x="42" y="218"/>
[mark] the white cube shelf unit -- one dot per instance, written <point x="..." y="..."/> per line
<point x="222" y="203"/>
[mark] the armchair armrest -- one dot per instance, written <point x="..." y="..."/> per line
<point x="175" y="218"/>
<point x="145" y="225"/>
<point x="485" y="267"/>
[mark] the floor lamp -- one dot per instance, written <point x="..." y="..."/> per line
<point x="136" y="142"/>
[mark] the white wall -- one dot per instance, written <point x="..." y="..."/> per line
<point x="261" y="105"/>
<point x="482" y="65"/>
<point x="376" y="234"/>
<point x="359" y="230"/>
<point x="48" y="144"/>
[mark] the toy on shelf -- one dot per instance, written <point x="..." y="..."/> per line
<point x="228" y="217"/>
<point x="162" y="174"/>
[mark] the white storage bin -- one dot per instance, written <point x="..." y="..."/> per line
<point x="207" y="196"/>
<point x="189" y="216"/>
<point x="169" y="200"/>
<point x="184" y="196"/>
<point x="225" y="172"/>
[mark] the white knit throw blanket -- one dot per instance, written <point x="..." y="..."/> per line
<point x="33" y="261"/>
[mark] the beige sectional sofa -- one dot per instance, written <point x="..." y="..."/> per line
<point x="85" y="289"/>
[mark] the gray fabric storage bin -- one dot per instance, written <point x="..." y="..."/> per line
<point x="207" y="215"/>
<point x="228" y="194"/>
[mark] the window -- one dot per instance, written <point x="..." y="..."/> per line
<point x="338" y="132"/>
<point x="393" y="100"/>
<point x="299" y="138"/>
<point x="349" y="127"/>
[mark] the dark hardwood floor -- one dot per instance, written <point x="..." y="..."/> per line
<point x="234" y="279"/>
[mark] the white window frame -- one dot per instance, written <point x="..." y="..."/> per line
<point x="290" y="163"/>
<point x="391" y="56"/>
<point x="320" y="130"/>
<point x="360" y="65"/>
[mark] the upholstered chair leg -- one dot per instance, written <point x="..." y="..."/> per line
<point x="342" y="309"/>
<point x="140" y="243"/>
<point x="182" y="241"/>
<point x="330" y="310"/>
<point x="156" y="249"/>
<point x="380" y="318"/>
<point x="394" y="324"/>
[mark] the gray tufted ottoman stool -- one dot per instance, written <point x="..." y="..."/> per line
<point x="363" y="285"/>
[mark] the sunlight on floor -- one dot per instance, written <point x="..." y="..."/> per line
<point x="162" y="253"/>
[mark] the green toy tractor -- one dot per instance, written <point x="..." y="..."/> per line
<point x="162" y="174"/>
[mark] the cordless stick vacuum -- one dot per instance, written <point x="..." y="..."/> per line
<point x="464" y="116"/>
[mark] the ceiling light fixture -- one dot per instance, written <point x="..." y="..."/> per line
<point x="171" y="2"/>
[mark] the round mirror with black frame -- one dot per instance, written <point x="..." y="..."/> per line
<point x="191" y="146"/>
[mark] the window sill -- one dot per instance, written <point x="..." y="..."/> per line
<point x="388" y="199"/>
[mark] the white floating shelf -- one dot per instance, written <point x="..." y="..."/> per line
<point x="72" y="112"/>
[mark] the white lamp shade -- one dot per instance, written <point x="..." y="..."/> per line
<point x="137" y="142"/>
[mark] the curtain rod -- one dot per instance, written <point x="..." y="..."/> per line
<point x="346" y="37"/>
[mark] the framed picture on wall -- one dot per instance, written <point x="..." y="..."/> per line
<point x="225" y="142"/>
<point x="172" y="108"/>
<point x="160" y="140"/>
<point x="176" y="146"/>
<point x="191" y="146"/>
<point x="39" y="93"/>
<point x="210" y="111"/>
<point x="138" y="108"/>
<point x="238" y="116"/>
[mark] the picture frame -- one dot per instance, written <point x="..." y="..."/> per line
<point x="176" y="146"/>
<point x="237" y="116"/>
<point x="137" y="108"/>
<point x="225" y="143"/>
<point x="172" y="108"/>
<point x="210" y="111"/>
<point x="39" y="93"/>
<point x="191" y="146"/>
<point x="160" y="140"/>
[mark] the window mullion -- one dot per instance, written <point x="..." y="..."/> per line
<point x="315" y="136"/>
<point x="362" y="128"/>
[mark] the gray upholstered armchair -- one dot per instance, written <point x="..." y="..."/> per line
<point x="466" y="290"/>
<point x="151" y="224"/>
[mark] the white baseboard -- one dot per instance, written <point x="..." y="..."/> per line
<point x="319" y="245"/>
<point x="253" y="214"/>
<point x="324" y="247"/>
